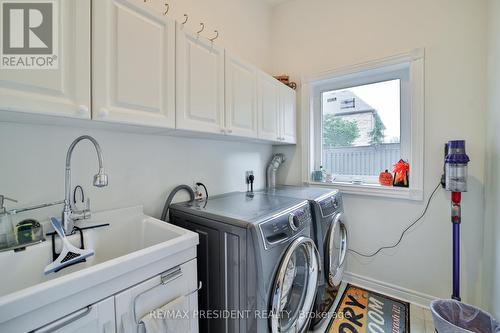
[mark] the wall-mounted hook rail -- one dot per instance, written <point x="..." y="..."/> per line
<point x="202" y="25"/>
<point x="216" y="36"/>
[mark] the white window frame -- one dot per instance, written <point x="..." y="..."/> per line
<point x="409" y="68"/>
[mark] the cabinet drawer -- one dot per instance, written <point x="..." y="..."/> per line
<point x="134" y="303"/>
<point x="99" y="318"/>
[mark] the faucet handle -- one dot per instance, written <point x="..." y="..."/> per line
<point x="83" y="214"/>
<point x="86" y="213"/>
<point x="87" y="206"/>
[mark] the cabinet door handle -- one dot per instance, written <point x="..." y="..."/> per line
<point x="65" y="321"/>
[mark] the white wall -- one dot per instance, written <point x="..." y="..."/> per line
<point x="492" y="218"/>
<point x="244" y="25"/>
<point x="314" y="36"/>
<point x="144" y="168"/>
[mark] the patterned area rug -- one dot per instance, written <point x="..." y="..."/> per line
<point x="362" y="310"/>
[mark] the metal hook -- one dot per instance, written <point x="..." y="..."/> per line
<point x="202" y="28"/>
<point x="168" y="8"/>
<point x="216" y="36"/>
<point x="186" y="18"/>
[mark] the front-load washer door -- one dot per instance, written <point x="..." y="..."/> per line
<point x="336" y="251"/>
<point x="295" y="286"/>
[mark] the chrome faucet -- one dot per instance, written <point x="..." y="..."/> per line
<point x="69" y="216"/>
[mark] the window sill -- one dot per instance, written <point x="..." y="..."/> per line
<point x="374" y="190"/>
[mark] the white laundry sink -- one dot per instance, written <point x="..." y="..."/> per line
<point x="132" y="243"/>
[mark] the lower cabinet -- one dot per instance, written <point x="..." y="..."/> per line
<point x="172" y="295"/>
<point x="174" y="291"/>
<point x="98" y="318"/>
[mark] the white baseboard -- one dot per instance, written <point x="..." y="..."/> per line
<point x="401" y="293"/>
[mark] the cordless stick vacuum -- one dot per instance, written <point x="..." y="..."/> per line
<point x="455" y="180"/>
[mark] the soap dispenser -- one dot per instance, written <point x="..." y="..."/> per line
<point x="7" y="238"/>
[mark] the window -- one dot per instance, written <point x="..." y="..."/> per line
<point x="362" y="120"/>
<point x="360" y="136"/>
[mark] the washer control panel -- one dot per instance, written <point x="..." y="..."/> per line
<point x="331" y="205"/>
<point x="286" y="225"/>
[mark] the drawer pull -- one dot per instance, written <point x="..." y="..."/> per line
<point x="171" y="275"/>
<point x="65" y="321"/>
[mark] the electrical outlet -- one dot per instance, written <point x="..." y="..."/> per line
<point x="247" y="175"/>
<point x="198" y="194"/>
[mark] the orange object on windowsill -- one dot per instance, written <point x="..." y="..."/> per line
<point x="401" y="173"/>
<point x="385" y="178"/>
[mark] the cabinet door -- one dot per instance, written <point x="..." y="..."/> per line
<point x="288" y="115"/>
<point x="98" y="318"/>
<point x="200" y="84"/>
<point x="176" y="288"/>
<point x="241" y="97"/>
<point x="133" y="64"/>
<point x="64" y="91"/>
<point x="269" y="107"/>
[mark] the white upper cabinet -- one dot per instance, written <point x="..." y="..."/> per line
<point x="241" y="97"/>
<point x="133" y="64"/>
<point x="288" y="115"/>
<point x="268" y="107"/>
<point x="276" y="110"/>
<point x="62" y="91"/>
<point x="146" y="70"/>
<point x="200" y="84"/>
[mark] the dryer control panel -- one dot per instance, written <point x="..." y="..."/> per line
<point x="286" y="226"/>
<point x="331" y="205"/>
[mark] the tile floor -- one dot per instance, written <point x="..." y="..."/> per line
<point x="420" y="320"/>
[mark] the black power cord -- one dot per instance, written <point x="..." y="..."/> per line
<point x="404" y="232"/>
<point x="251" y="179"/>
